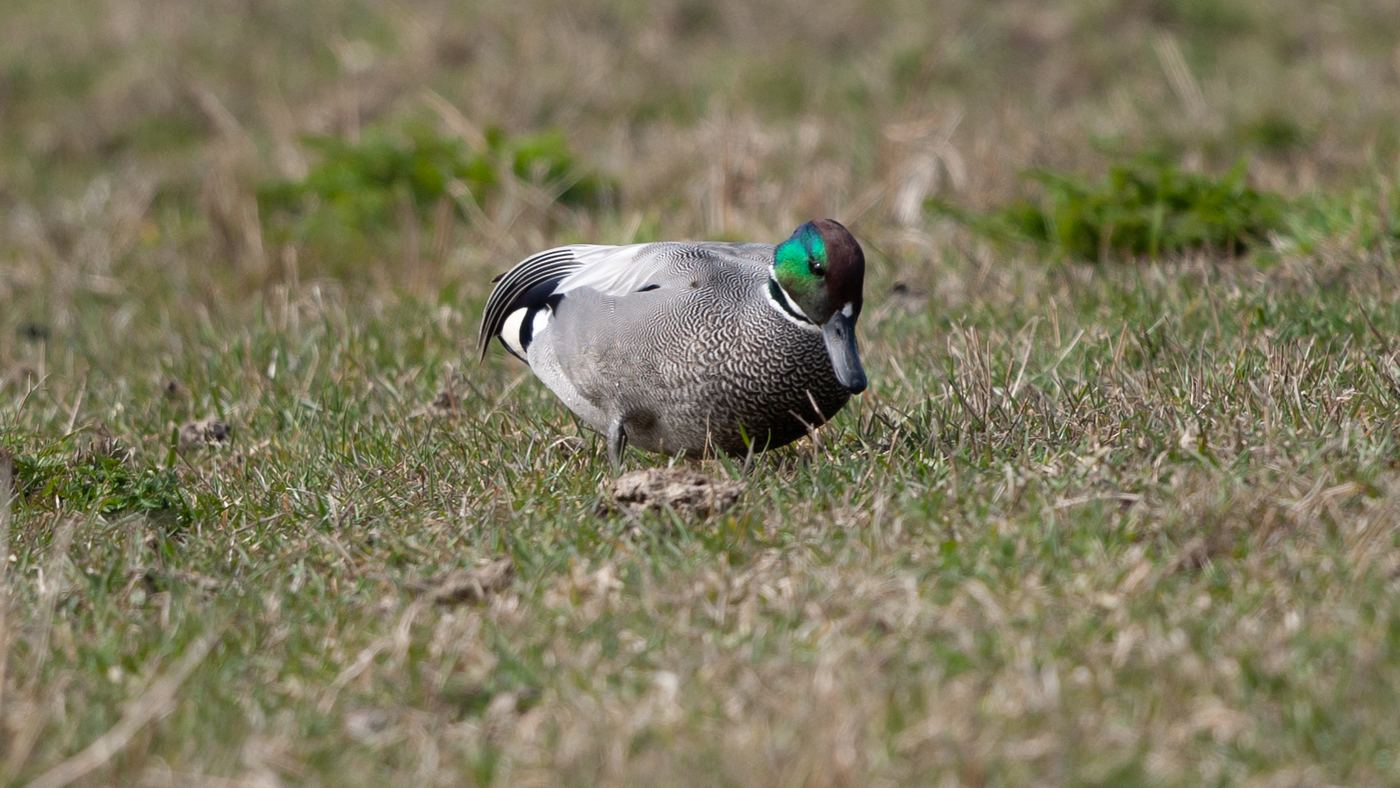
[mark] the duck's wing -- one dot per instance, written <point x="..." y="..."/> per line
<point x="619" y="270"/>
<point x="532" y="283"/>
<point x="541" y="280"/>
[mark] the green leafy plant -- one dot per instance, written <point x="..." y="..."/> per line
<point x="370" y="184"/>
<point x="102" y="481"/>
<point x="1144" y="207"/>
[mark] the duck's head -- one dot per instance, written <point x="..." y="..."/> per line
<point x="821" y="271"/>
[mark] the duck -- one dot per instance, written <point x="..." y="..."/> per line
<point x="688" y="348"/>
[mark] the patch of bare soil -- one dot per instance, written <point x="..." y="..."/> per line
<point x="174" y="390"/>
<point x="447" y="403"/>
<point x="472" y="586"/>
<point x="204" y="432"/>
<point x="154" y="580"/>
<point x="682" y="489"/>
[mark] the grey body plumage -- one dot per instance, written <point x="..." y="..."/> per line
<point x="677" y="348"/>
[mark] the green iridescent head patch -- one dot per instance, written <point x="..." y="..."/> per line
<point x="800" y="262"/>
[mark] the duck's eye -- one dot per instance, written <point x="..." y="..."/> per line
<point x="816" y="266"/>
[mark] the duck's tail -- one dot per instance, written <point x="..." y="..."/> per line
<point x="520" y="294"/>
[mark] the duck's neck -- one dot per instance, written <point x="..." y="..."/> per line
<point x="779" y="299"/>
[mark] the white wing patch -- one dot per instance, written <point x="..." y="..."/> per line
<point x="615" y="270"/>
<point x="540" y="323"/>
<point x="510" y="332"/>
<point x="513" y="330"/>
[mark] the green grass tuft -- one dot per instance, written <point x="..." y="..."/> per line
<point x="102" y="479"/>
<point x="1144" y="207"/>
<point x="360" y="188"/>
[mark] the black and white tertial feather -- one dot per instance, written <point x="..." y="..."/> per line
<point x="520" y="296"/>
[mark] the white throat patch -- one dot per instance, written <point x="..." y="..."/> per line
<point x="787" y="307"/>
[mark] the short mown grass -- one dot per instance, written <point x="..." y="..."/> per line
<point x="1120" y="506"/>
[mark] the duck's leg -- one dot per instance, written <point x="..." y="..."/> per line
<point x="617" y="442"/>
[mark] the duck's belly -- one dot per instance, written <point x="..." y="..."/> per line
<point x="755" y="402"/>
<point x="681" y="434"/>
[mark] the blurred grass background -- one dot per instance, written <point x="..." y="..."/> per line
<point x="1120" y="507"/>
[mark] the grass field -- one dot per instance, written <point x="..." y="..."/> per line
<point x="1122" y="505"/>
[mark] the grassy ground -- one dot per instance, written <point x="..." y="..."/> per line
<point x="1122" y="521"/>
